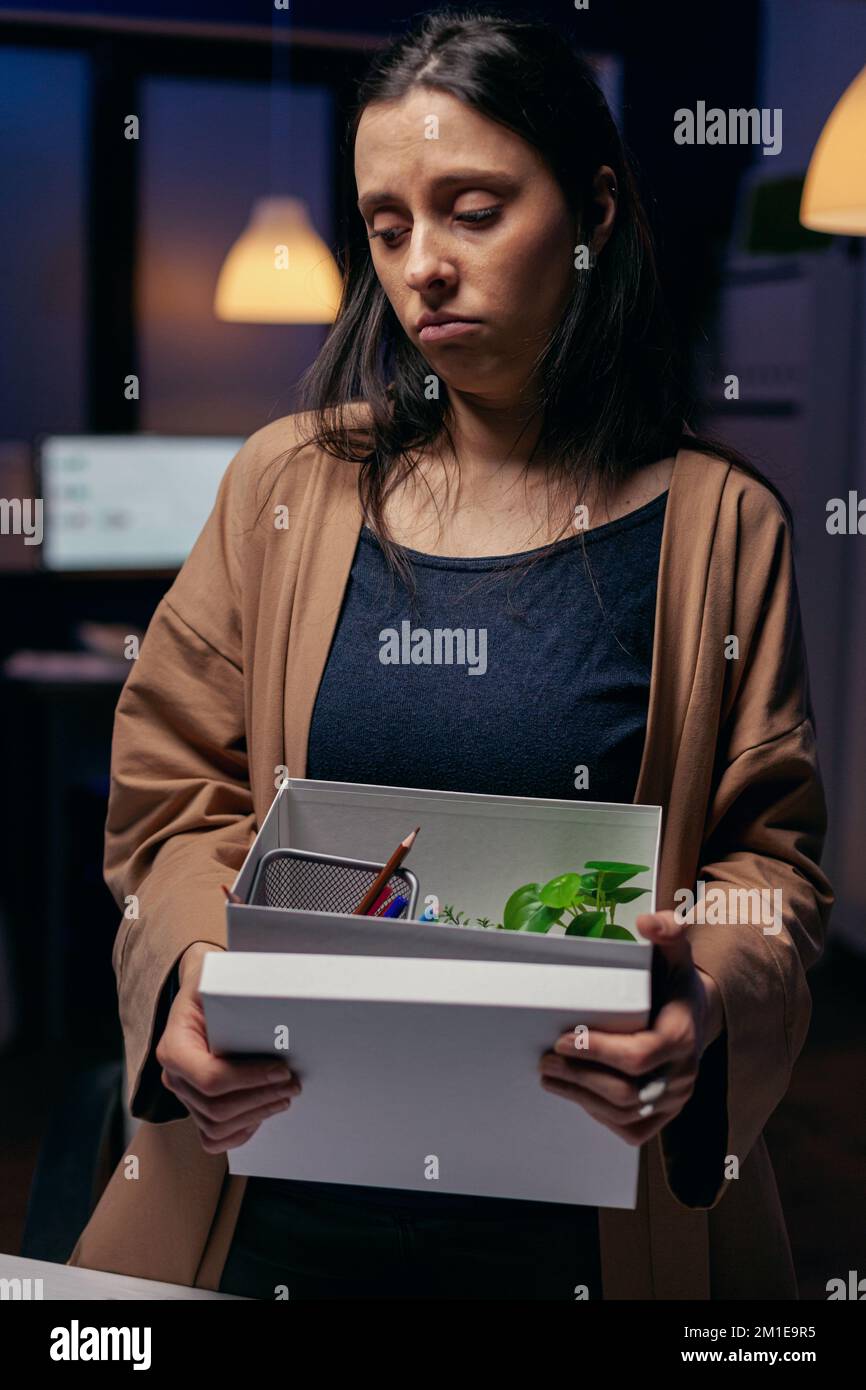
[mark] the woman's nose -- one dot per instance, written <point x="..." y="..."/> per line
<point x="426" y="265"/>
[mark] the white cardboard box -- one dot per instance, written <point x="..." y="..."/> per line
<point x="418" y="1044"/>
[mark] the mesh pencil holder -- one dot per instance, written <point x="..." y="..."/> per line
<point x="306" y="882"/>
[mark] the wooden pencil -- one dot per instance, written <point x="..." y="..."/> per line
<point x="385" y="873"/>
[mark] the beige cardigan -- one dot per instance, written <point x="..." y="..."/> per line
<point x="221" y="698"/>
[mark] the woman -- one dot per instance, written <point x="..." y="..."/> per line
<point x="514" y="458"/>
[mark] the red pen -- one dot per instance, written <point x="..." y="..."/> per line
<point x="380" y="902"/>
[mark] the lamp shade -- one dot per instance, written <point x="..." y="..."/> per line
<point x="279" y="270"/>
<point x="834" y="193"/>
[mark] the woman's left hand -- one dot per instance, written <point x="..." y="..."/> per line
<point x="636" y="1083"/>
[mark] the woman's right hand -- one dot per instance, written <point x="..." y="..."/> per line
<point x="227" y="1099"/>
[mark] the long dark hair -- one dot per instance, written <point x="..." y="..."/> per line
<point x="612" y="377"/>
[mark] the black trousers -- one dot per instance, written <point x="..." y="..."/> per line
<point x="322" y="1240"/>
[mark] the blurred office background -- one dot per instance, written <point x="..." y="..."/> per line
<point x="115" y="370"/>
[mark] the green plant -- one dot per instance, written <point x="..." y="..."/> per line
<point x="462" y="919"/>
<point x="591" y="898"/>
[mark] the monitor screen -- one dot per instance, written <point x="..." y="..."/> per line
<point x="127" y="502"/>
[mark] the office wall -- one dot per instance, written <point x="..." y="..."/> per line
<point x="43" y="112"/>
<point x="812" y="50"/>
<point x="208" y="151"/>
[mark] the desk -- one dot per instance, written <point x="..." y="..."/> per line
<point x="65" y="1283"/>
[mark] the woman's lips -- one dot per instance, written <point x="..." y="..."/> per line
<point x="435" y="332"/>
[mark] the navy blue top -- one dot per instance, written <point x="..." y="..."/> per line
<point x="559" y="678"/>
<point x="551" y="677"/>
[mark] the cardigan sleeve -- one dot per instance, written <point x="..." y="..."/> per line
<point x="180" y="812"/>
<point x="765" y="830"/>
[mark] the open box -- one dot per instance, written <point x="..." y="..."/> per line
<point x="417" y="1043"/>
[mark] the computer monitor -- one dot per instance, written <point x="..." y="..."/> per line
<point x="127" y="502"/>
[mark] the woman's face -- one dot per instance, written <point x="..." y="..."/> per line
<point x="469" y="223"/>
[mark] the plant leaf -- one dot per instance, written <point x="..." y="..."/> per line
<point x="612" y="873"/>
<point x="626" y="895"/>
<point x="617" y="866"/>
<point x="561" y="891"/>
<point x="513" y="914"/>
<point x="585" y="924"/>
<point x="617" y="933"/>
<point x="525" y="911"/>
<point x="540" y="918"/>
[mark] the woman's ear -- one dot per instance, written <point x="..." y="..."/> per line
<point x="604" y="198"/>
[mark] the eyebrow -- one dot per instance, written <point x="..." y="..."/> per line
<point x="369" y="201"/>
